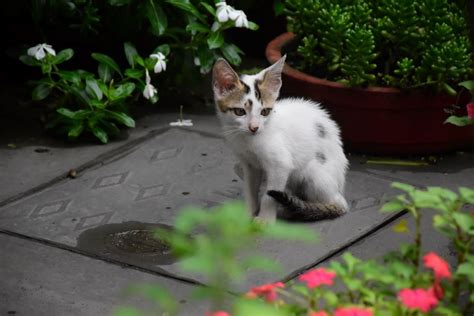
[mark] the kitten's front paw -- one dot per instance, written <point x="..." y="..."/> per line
<point x="263" y="221"/>
<point x="266" y="217"/>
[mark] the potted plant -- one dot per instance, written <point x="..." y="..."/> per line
<point x="384" y="69"/>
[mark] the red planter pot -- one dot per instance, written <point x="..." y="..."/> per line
<point x="379" y="120"/>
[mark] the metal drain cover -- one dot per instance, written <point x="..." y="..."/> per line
<point x="131" y="242"/>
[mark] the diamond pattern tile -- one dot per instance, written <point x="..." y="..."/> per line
<point x="152" y="192"/>
<point x="163" y="154"/>
<point x="51" y="208"/>
<point x="93" y="220"/>
<point x="110" y="180"/>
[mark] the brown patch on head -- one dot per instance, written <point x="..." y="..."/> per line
<point x="228" y="88"/>
<point x="266" y="96"/>
<point x="231" y="99"/>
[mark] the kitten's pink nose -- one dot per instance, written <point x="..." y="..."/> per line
<point x="253" y="129"/>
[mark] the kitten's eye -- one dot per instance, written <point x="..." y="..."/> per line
<point x="266" y="111"/>
<point x="239" y="111"/>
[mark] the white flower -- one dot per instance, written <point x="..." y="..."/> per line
<point x="240" y="19"/>
<point x="38" y="51"/>
<point x="215" y="26"/>
<point x="223" y="11"/>
<point x="160" y="62"/>
<point x="149" y="90"/>
<point x="182" y="123"/>
<point x="197" y="62"/>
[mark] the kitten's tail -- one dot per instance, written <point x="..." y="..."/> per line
<point x="295" y="209"/>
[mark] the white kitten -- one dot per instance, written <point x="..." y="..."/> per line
<point x="292" y="143"/>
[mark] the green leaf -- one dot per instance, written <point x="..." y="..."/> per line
<point x="209" y="8"/>
<point x="104" y="59"/>
<point x="130" y="53"/>
<point x="465" y="221"/>
<point x="469" y="85"/>
<point x="197" y="27"/>
<point x="122" y="118"/>
<point x="80" y="94"/>
<point x="77" y="115"/>
<point x="253" y="26"/>
<point x="353" y="284"/>
<point x="403" y="186"/>
<point x="163" y="48"/>
<point x="331" y="298"/>
<point x="29" y="60"/>
<point x="467" y="269"/>
<point x="63" y="56"/>
<point x="443" y="193"/>
<point x="41" y="91"/>
<point x="71" y="76"/>
<point x="257" y="308"/>
<point x="127" y="311"/>
<point x="134" y="73"/>
<point x="156" y="294"/>
<point x="93" y="90"/>
<point x="157" y="17"/>
<point x="467" y="195"/>
<point x="110" y="127"/>
<point x="262" y="263"/>
<point x="216" y="40"/>
<point x="285" y="231"/>
<point x="424" y="199"/>
<point x="449" y="90"/>
<point x="350" y="260"/>
<point x="139" y="61"/>
<point x="100" y="134"/>
<point x="459" y="120"/>
<point x="122" y="91"/>
<point x="393" y="206"/>
<point x="76" y="130"/>
<point x="105" y="72"/>
<point x="118" y="3"/>
<point x="97" y="103"/>
<point x="278" y="7"/>
<point x="46" y="68"/>
<point x="185" y="5"/>
<point x="231" y="53"/>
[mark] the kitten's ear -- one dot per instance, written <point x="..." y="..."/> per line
<point x="224" y="78"/>
<point x="272" y="76"/>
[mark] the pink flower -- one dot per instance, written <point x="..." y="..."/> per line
<point x="438" y="265"/>
<point x="437" y="290"/>
<point x="267" y="291"/>
<point x="353" y="311"/>
<point x="470" y="110"/>
<point x="218" y="313"/>
<point x="317" y="277"/>
<point x="421" y="299"/>
<point x="320" y="313"/>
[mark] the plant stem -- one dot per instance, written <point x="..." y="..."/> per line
<point x="417" y="241"/>
<point x="294" y="297"/>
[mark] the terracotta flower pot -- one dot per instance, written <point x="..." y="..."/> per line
<point x="379" y="120"/>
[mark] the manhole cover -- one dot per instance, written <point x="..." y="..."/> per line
<point x="136" y="241"/>
<point x="130" y="242"/>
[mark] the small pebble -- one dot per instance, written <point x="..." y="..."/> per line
<point x="72" y="174"/>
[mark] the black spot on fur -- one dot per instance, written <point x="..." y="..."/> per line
<point x="258" y="95"/>
<point x="321" y="130"/>
<point x="321" y="157"/>
<point x="246" y="88"/>
<point x="249" y="102"/>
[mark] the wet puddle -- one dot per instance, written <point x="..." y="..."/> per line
<point x="130" y="242"/>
